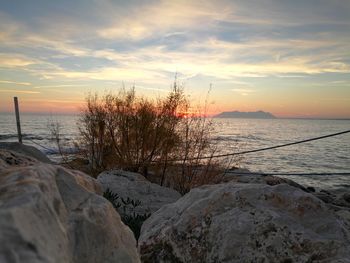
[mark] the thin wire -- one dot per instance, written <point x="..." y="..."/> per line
<point x="264" y="149"/>
<point x="42" y="146"/>
<point x="243" y="152"/>
<point x="301" y="174"/>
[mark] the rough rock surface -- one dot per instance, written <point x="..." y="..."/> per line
<point x="14" y="159"/>
<point x="339" y="198"/>
<point x="136" y="187"/>
<point x="52" y="214"/>
<point x="336" y="199"/>
<point x="245" y="176"/>
<point x="235" y="222"/>
<point x="27" y="150"/>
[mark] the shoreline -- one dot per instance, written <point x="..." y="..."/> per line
<point x="328" y="180"/>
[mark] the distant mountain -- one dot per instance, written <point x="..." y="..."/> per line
<point x="247" y="115"/>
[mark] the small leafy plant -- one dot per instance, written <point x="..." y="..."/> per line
<point x="126" y="208"/>
<point x="112" y="197"/>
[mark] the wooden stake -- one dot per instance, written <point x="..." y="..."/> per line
<point x="18" y="121"/>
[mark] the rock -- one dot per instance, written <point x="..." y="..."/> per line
<point x="325" y="197"/>
<point x="344" y="214"/>
<point x="10" y="158"/>
<point x="346" y="197"/>
<point x="337" y="199"/>
<point x="52" y="214"/>
<point x="26" y="150"/>
<point x="235" y="222"/>
<point x="311" y="189"/>
<point x="244" y="176"/>
<point x="136" y="187"/>
<point x="88" y="182"/>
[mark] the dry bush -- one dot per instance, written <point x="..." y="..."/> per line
<point x="194" y="164"/>
<point x="55" y="131"/>
<point x="129" y="132"/>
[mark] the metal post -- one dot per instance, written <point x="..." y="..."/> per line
<point x="18" y="121"/>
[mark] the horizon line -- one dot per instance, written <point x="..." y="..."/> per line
<point x="207" y="116"/>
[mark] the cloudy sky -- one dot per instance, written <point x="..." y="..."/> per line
<point x="289" y="57"/>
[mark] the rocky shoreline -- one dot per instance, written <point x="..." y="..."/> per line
<point x="49" y="213"/>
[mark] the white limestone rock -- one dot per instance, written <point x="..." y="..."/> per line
<point x="136" y="187"/>
<point x="52" y="214"/>
<point x="336" y="198"/>
<point x="243" y="222"/>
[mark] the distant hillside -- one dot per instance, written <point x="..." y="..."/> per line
<point x="247" y="115"/>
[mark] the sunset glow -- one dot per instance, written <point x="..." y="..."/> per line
<point x="290" y="58"/>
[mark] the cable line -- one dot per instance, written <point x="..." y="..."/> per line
<point x="264" y="149"/>
<point x="42" y="146"/>
<point x="243" y="152"/>
<point x="276" y="173"/>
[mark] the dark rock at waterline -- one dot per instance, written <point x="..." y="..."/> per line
<point x="325" y="197"/>
<point x="346" y="197"/>
<point x="311" y="189"/>
<point x="25" y="150"/>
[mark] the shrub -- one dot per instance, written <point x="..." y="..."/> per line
<point x="193" y="163"/>
<point x="129" y="132"/>
<point x="126" y="209"/>
<point x="64" y="148"/>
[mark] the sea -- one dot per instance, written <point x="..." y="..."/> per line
<point x="320" y="163"/>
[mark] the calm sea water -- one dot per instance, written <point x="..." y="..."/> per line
<point x="331" y="155"/>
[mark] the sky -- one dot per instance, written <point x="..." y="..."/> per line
<point x="287" y="57"/>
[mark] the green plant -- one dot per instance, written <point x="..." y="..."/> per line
<point x="126" y="208"/>
<point x="112" y="197"/>
<point x="135" y="222"/>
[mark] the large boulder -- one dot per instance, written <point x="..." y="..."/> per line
<point x="336" y="198"/>
<point x="137" y="188"/>
<point x="52" y="214"/>
<point x="243" y="222"/>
